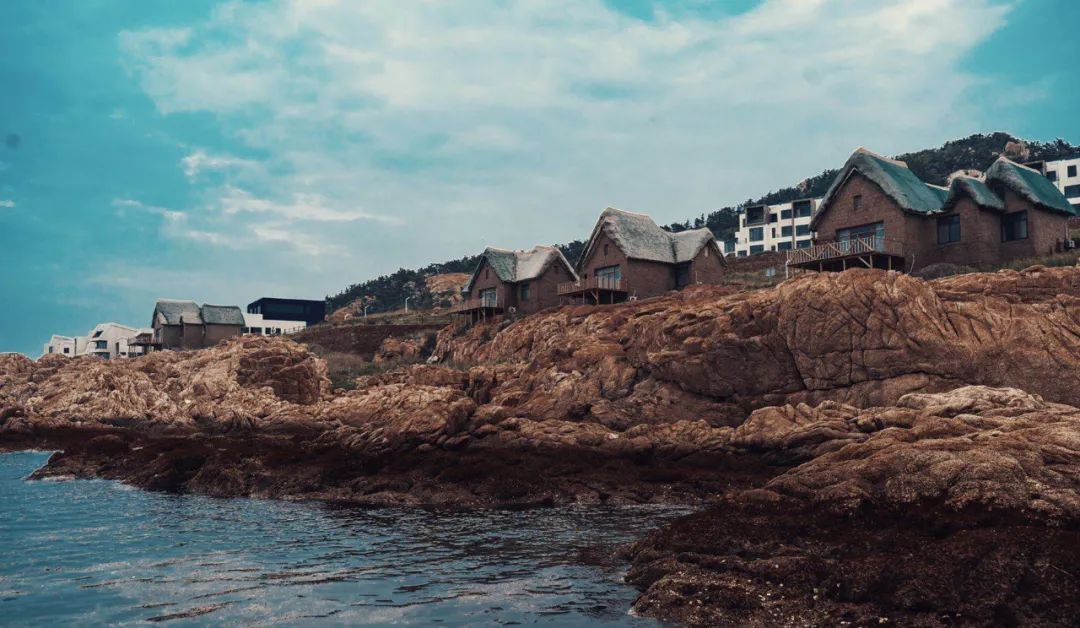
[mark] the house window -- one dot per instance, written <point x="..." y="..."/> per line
<point x="524" y="292"/>
<point x="774" y="217"/>
<point x="741" y="254"/>
<point x="1071" y="172"/>
<point x="489" y="298"/>
<point x="803" y="244"/>
<point x="609" y="272"/>
<point x="803" y="209"/>
<point x="757" y="234"/>
<point x="1051" y="174"/>
<point x="948" y="229"/>
<point x="101" y="344"/>
<point x="785" y="214"/>
<point x="52" y="349"/>
<point x="783" y="246"/>
<point x="856" y="202"/>
<point x="757" y="248"/>
<point x="67" y="350"/>
<point x="605" y="250"/>
<point x="1072" y="191"/>
<point x="802" y="230"/>
<point x="485" y="273"/>
<point x="785" y="232"/>
<point x="1014" y="226"/>
<point x="755" y="215"/>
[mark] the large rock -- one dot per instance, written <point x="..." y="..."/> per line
<point x="862" y="338"/>
<point x="961" y="507"/>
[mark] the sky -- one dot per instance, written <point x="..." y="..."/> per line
<point x="224" y="151"/>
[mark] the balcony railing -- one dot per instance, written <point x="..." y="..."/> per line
<point x="486" y="302"/>
<point x="593" y="283"/>
<point x="853" y="247"/>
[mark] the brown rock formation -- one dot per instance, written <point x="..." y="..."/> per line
<point x="969" y="513"/>
<point x="934" y="425"/>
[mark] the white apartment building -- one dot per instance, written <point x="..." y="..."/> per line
<point x="255" y="324"/>
<point x="106" y="341"/>
<point x="1065" y="173"/>
<point x="775" y="227"/>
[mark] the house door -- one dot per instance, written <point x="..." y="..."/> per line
<point x="489" y="298"/>
<point x="682" y="275"/>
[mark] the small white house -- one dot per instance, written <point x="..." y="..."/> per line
<point x="255" y="324"/>
<point x="105" y="340"/>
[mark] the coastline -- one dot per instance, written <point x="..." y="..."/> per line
<point x="889" y="460"/>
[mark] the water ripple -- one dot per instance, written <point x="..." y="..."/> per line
<point x="90" y="552"/>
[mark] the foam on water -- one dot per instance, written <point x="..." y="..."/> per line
<point x="83" y="552"/>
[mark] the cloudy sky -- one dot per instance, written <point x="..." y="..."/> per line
<point x="222" y="151"/>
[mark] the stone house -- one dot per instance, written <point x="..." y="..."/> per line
<point x="878" y="214"/>
<point x="629" y="256"/>
<point x="182" y="325"/>
<point x="509" y="282"/>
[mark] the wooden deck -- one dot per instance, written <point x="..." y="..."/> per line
<point x="864" y="252"/>
<point x="478" y="304"/>
<point x="592" y="284"/>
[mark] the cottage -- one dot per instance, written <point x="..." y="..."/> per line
<point x="186" y="325"/>
<point x="515" y="282"/>
<point x="629" y="256"/>
<point x="878" y="214"/>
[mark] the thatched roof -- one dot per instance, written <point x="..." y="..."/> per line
<point x="222" y="315"/>
<point x="1030" y="184"/>
<point x="638" y="237"/>
<point x="173" y="311"/>
<point x="517" y="266"/>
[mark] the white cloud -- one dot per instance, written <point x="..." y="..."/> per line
<point x="515" y="123"/>
<point x="9" y="204"/>
<point x="200" y="161"/>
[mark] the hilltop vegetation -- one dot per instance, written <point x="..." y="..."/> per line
<point x="932" y="165"/>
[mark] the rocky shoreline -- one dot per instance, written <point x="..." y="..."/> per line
<point x="867" y="447"/>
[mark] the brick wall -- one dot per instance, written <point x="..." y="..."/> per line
<point x="488" y="278"/>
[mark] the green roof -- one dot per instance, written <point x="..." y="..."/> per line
<point x="974" y="189"/>
<point x="515" y="266"/>
<point x="895" y="180"/>
<point x="1030" y="184"/>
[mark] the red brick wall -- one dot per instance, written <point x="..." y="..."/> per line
<point x="708" y="266"/>
<point x="604" y="253"/>
<point x="217" y="333"/>
<point x="649" y="279"/>
<point x="544" y="290"/>
<point x="876" y="207"/>
<point x="980" y="236"/>
<point x="488" y="278"/>
<point x="1046" y="230"/>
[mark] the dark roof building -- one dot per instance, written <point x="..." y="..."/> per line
<point x="310" y="312"/>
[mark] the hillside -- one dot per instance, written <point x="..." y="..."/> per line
<point x="932" y="165"/>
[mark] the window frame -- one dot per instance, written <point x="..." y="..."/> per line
<point x="951" y="226"/>
<point x="1009" y="223"/>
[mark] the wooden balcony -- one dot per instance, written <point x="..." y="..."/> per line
<point x="862" y="252"/>
<point x="592" y="285"/>
<point x="489" y="305"/>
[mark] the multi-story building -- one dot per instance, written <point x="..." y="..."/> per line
<point x="1065" y="174"/>
<point x="780" y="227"/>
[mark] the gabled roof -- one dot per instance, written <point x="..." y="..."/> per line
<point x="638" y="237"/>
<point x="222" y="315"/>
<point x="516" y="266"/>
<point x="976" y="190"/>
<point x="895" y="180"/>
<point x="172" y="311"/>
<point x="1029" y="184"/>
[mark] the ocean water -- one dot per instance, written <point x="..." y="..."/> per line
<point x="81" y="552"/>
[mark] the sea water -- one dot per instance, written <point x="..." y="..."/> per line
<point x="87" y="552"/>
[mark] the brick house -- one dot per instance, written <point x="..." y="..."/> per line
<point x="182" y="325"/>
<point x="515" y="282"/>
<point x="630" y="256"/>
<point x="878" y="214"/>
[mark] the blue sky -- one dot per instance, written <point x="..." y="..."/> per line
<point x="223" y="151"/>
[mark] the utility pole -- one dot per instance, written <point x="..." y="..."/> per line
<point x="365" y="310"/>
<point x="407" y="304"/>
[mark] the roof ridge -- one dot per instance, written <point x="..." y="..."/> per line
<point x="1017" y="164"/>
<point x="624" y="211"/>
<point x="866" y="151"/>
